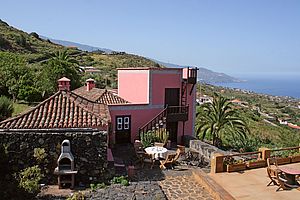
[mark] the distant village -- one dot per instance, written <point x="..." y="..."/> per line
<point x="270" y="118"/>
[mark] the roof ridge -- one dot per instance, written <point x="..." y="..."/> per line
<point x="31" y="109"/>
<point x="116" y="95"/>
<point x="84" y="107"/>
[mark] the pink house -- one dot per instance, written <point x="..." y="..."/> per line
<point x="158" y="97"/>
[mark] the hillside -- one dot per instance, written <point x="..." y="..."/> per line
<point x="82" y="47"/>
<point x="34" y="48"/>
<point x="261" y="112"/>
<point x="204" y="75"/>
<point x="31" y="46"/>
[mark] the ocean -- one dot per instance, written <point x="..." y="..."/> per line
<point x="278" y="85"/>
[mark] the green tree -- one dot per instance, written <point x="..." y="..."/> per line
<point x="219" y="118"/>
<point x="6" y="108"/>
<point x="60" y="65"/>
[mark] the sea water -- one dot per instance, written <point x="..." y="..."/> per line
<point x="273" y="84"/>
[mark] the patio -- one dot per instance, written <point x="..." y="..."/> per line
<point x="252" y="184"/>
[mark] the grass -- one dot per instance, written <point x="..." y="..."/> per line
<point x="19" y="108"/>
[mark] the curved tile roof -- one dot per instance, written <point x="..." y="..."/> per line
<point x="100" y="96"/>
<point x="62" y="110"/>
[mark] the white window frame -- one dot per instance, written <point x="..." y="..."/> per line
<point x="126" y="123"/>
<point x="119" y="123"/>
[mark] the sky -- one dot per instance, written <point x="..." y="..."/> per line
<point x="231" y="36"/>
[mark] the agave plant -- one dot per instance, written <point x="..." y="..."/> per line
<point x="6" y="108"/>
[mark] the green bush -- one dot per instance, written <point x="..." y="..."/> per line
<point x="159" y="135"/>
<point x="29" y="179"/>
<point x="94" y="187"/>
<point x="120" y="180"/>
<point x="77" y="196"/>
<point x="39" y="154"/>
<point x="6" y="107"/>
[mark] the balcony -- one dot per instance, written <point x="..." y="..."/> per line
<point x="190" y="75"/>
<point x="177" y="113"/>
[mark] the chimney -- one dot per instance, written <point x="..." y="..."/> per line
<point x="90" y="84"/>
<point x="64" y="84"/>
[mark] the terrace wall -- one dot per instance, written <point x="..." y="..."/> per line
<point x="88" y="148"/>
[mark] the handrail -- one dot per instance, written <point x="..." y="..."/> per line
<point x="243" y="154"/>
<point x="154" y="117"/>
<point x="285" y="149"/>
<point x="152" y="123"/>
<point x="178" y="109"/>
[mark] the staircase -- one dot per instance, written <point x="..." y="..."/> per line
<point x="184" y="93"/>
<point x="159" y="121"/>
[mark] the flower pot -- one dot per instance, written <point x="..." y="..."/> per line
<point x="256" y="164"/>
<point x="282" y="161"/>
<point x="236" y="167"/>
<point x="295" y="158"/>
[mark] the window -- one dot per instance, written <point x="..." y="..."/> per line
<point x="122" y="123"/>
<point x="119" y="123"/>
<point x="126" y="123"/>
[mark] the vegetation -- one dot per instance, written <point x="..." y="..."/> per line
<point x="8" y="183"/>
<point x="160" y="135"/>
<point x="94" y="187"/>
<point x="262" y="132"/>
<point x="218" y="118"/>
<point x="6" y="107"/>
<point x="77" y="196"/>
<point x="29" y="179"/>
<point x="19" y="108"/>
<point x="120" y="180"/>
<point x="31" y="66"/>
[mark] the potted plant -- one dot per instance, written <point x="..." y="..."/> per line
<point x="295" y="157"/>
<point x="255" y="163"/>
<point x="234" y="165"/>
<point x="282" y="157"/>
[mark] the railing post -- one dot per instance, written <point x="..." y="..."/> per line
<point x="216" y="163"/>
<point x="265" y="153"/>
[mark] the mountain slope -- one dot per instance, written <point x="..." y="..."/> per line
<point x="205" y="75"/>
<point x="30" y="46"/>
<point x="82" y="47"/>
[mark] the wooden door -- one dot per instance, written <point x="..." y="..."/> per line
<point x="123" y="129"/>
<point x="172" y="128"/>
<point x="172" y="96"/>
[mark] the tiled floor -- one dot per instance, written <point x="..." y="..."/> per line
<point x="252" y="184"/>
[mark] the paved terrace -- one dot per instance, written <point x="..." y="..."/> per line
<point x="252" y="184"/>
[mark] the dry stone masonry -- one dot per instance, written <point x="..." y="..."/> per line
<point x="88" y="147"/>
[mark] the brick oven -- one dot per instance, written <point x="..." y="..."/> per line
<point x="65" y="166"/>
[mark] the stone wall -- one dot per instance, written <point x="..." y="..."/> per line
<point x="88" y="148"/>
<point x="205" y="149"/>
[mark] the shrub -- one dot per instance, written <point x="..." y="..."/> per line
<point x="21" y="40"/>
<point x="97" y="186"/>
<point x="35" y="35"/>
<point x="29" y="179"/>
<point x="6" y="107"/>
<point x="120" y="180"/>
<point x="39" y="154"/>
<point x="159" y="135"/>
<point x="77" y="196"/>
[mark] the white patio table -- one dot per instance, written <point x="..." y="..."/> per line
<point x="157" y="152"/>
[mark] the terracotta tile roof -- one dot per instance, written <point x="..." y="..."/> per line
<point x="62" y="110"/>
<point x="100" y="96"/>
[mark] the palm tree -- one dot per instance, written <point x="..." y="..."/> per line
<point x="63" y="56"/>
<point x="219" y="118"/>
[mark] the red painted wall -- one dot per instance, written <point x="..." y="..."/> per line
<point x="140" y="115"/>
